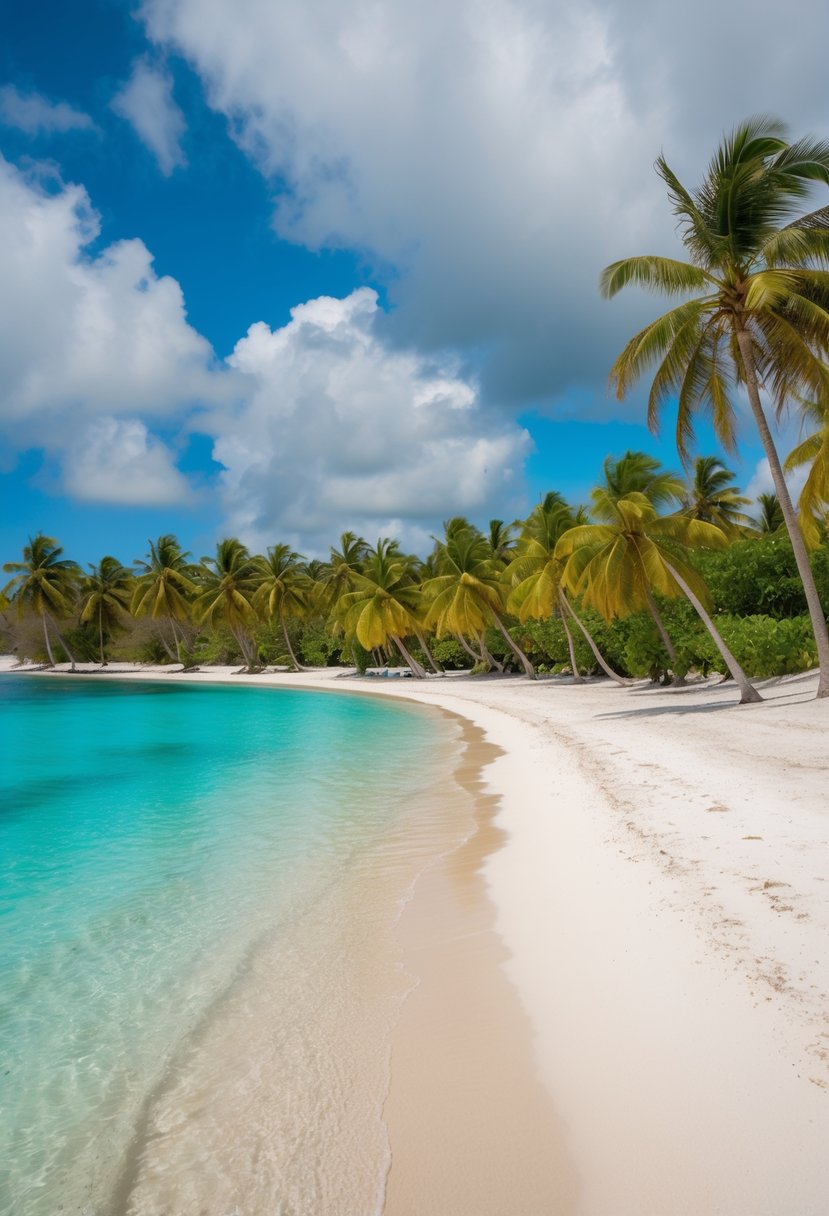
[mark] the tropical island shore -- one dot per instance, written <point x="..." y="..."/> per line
<point x="657" y="870"/>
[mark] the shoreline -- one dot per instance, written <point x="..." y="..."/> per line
<point x="662" y="897"/>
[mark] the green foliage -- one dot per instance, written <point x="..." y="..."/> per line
<point x="317" y="647"/>
<point x="449" y="653"/>
<point x="754" y="577"/>
<point x="769" y="647"/>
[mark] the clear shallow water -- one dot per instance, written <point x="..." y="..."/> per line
<point x="195" y="887"/>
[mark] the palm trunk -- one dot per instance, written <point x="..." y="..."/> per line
<point x="748" y="693"/>
<point x="416" y="668"/>
<point x="242" y="643"/>
<point x="170" y="654"/>
<point x="597" y="654"/>
<point x="101" y="636"/>
<point x="176" y="641"/>
<point x="571" y="646"/>
<point x="801" y="557"/>
<point x="297" y="665"/>
<point x="63" y="644"/>
<point x="488" y="657"/>
<point x="529" y="670"/>
<point x="435" y="666"/>
<point x="47" y="641"/>
<point x="663" y="633"/>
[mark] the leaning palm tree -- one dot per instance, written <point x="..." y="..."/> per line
<point x="712" y="496"/>
<point x="283" y="589"/>
<point x="759" y="312"/>
<point x="228" y="583"/>
<point x="46" y="584"/>
<point x="468" y="594"/>
<point x="383" y="606"/>
<point x="814" y="452"/>
<point x="164" y="590"/>
<point x="614" y="565"/>
<point x="105" y="595"/>
<point x="535" y="573"/>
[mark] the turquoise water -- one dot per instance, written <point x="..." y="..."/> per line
<point x="156" y="841"/>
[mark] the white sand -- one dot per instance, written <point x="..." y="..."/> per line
<point x="664" y="897"/>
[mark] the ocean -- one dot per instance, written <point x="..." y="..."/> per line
<point x="198" y="970"/>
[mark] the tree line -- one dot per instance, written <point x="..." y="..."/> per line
<point x="623" y="586"/>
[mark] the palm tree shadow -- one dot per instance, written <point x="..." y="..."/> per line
<point x="660" y="710"/>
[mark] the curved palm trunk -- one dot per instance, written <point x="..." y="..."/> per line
<point x="242" y="642"/>
<point x="416" y="668"/>
<point x="435" y="666"/>
<point x="488" y="657"/>
<point x="597" y="654"/>
<point x="571" y="646"/>
<point x="748" y="693"/>
<point x="663" y="633"/>
<point x="801" y="557"/>
<point x="176" y="640"/>
<point x="297" y="665"/>
<point x="62" y="642"/>
<point x="47" y="641"/>
<point x="101" y="636"/>
<point x="529" y="670"/>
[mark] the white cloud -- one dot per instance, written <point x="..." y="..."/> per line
<point x="495" y="156"/>
<point x="340" y="431"/>
<point x="146" y="101"/>
<point x="33" y="113"/>
<point x="84" y="338"/>
<point x="761" y="481"/>
<point x="117" y="460"/>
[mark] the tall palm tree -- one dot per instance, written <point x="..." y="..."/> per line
<point x="712" y="497"/>
<point x="283" y="589"/>
<point x="45" y="583"/>
<point x="612" y="566"/>
<point x="468" y="594"/>
<point x="501" y="540"/>
<point x="770" y="517"/>
<point x="759" y="312"/>
<point x="105" y="595"/>
<point x="383" y="606"/>
<point x="164" y="589"/>
<point x="813" y="451"/>
<point x="228" y="583"/>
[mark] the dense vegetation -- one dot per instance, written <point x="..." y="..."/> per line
<point x="562" y="590"/>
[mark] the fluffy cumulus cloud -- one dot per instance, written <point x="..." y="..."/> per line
<point x="493" y="156"/>
<point x="35" y="114"/>
<point x="341" y="430"/>
<point x="85" y="339"/>
<point x="146" y="101"/>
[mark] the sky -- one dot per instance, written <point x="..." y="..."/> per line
<point x="280" y="268"/>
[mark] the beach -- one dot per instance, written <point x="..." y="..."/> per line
<point x="620" y="997"/>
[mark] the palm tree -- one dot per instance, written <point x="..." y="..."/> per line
<point x="46" y="583"/>
<point x="283" y="589"/>
<point x="770" y="518"/>
<point x="501" y="540"/>
<point x="468" y="594"/>
<point x="814" y="451"/>
<point x="228" y="584"/>
<point x="712" y="497"/>
<point x="613" y="566"/>
<point x="638" y="473"/>
<point x="106" y="594"/>
<point x="164" y="588"/>
<point x="384" y="603"/>
<point x="759" y="315"/>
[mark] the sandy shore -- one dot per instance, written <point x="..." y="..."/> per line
<point x="662" y="895"/>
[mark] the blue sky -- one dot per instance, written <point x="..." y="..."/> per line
<point x="281" y="269"/>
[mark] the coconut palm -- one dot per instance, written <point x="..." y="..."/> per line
<point x="468" y="595"/>
<point x="283" y="589"/>
<point x="770" y="517"/>
<point x="105" y="595"/>
<point x="813" y="451"/>
<point x="614" y="565"/>
<point x="383" y="606"/>
<point x="228" y="583"/>
<point x="164" y="589"/>
<point x="638" y="473"/>
<point x="45" y="583"/>
<point x="712" y="497"/>
<point x="535" y="574"/>
<point x="759" y="312"/>
<point x="501" y="540"/>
